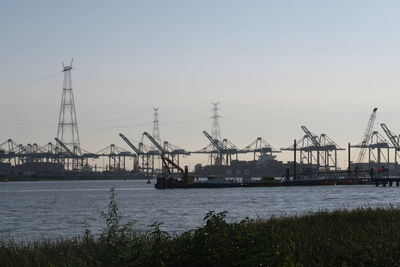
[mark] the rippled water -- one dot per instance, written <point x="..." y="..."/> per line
<point x="49" y="209"/>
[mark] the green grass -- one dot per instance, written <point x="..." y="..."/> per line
<point x="361" y="237"/>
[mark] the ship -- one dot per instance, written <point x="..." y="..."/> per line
<point x="39" y="171"/>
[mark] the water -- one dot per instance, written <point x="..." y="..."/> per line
<point x="33" y="210"/>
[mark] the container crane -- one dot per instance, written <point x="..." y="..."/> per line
<point x="129" y="143"/>
<point x="75" y="157"/>
<point x="155" y="143"/>
<point x="312" y="137"/>
<point x="216" y="144"/>
<point x="139" y="153"/>
<point x="65" y="147"/>
<point x="168" y="162"/>
<point x="259" y="147"/>
<point x="165" y="160"/>
<point x="392" y="137"/>
<point x="314" y="140"/>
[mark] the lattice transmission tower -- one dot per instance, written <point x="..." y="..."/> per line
<point x="215" y="130"/>
<point x="67" y="124"/>
<point x="215" y="134"/>
<point x="156" y="129"/>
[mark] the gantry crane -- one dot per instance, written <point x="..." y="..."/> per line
<point x="393" y="139"/>
<point x="72" y="154"/>
<point x="75" y="157"/>
<point x="164" y="155"/>
<point x="167" y="163"/>
<point x="325" y="148"/>
<point x="259" y="147"/>
<point x="218" y="146"/>
<point x="314" y="140"/>
<point x="155" y="143"/>
<point x="139" y="154"/>
<point x="116" y="157"/>
<point x="174" y="152"/>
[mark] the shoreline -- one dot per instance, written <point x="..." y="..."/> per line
<point x="318" y="239"/>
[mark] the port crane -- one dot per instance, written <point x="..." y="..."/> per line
<point x="167" y="163"/>
<point x="75" y="157"/>
<point x="116" y="157"/>
<point x="164" y="154"/>
<point x="218" y="146"/>
<point x="324" y="146"/>
<point x="259" y="147"/>
<point x="10" y="152"/>
<point x="229" y="149"/>
<point x="314" y="140"/>
<point x="367" y="135"/>
<point x="72" y="154"/>
<point x="174" y="152"/>
<point x="140" y="154"/>
<point x="393" y="139"/>
<point x="155" y="143"/>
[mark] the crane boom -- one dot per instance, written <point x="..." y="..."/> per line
<point x="168" y="161"/>
<point x="65" y="147"/>
<point x="367" y="135"/>
<point x="129" y="143"/>
<point x="311" y="136"/>
<point x="154" y="142"/>
<point x="392" y="137"/>
<point x="213" y="141"/>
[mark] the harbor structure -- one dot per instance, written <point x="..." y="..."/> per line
<point x="315" y="153"/>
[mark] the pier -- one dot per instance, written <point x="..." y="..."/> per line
<point x="387" y="181"/>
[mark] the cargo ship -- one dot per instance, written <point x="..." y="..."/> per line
<point x="48" y="171"/>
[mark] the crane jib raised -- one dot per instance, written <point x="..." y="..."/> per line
<point x="393" y="138"/>
<point x="154" y="142"/>
<point x="311" y="136"/>
<point x="367" y="135"/>
<point x="129" y="143"/>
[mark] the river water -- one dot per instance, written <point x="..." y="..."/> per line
<point x="34" y="210"/>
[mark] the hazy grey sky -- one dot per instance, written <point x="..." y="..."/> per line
<point x="274" y="65"/>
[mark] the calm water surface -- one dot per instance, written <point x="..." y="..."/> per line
<point x="34" y="210"/>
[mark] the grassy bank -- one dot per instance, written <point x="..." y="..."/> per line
<point x="362" y="237"/>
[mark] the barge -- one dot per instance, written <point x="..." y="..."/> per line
<point x="165" y="182"/>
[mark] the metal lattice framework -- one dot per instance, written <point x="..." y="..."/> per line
<point x="260" y="147"/>
<point x="174" y="152"/>
<point x="116" y="157"/>
<point x="395" y="141"/>
<point x="367" y="136"/>
<point x="67" y="131"/>
<point x="156" y="128"/>
<point x="215" y="129"/>
<point x="378" y="148"/>
<point x="316" y="151"/>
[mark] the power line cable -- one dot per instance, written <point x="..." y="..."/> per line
<point x="23" y="86"/>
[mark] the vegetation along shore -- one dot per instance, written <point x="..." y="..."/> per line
<point x="360" y="237"/>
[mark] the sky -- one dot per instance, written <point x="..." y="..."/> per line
<point x="273" y="65"/>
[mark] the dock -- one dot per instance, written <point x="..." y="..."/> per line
<point x="387" y="181"/>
